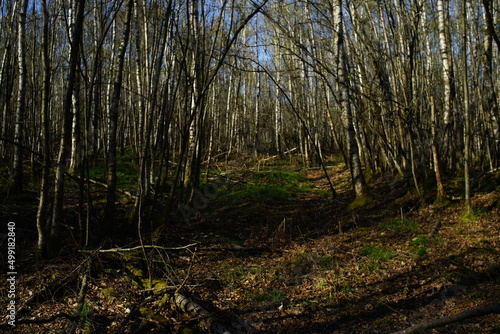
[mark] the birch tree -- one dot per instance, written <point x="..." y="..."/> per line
<point x="445" y="50"/>
<point x="65" y="143"/>
<point x="112" y="118"/>
<point x="43" y="217"/>
<point x="358" y="180"/>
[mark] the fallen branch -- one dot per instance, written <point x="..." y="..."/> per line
<point x="118" y="250"/>
<point x="104" y="185"/>
<point x="81" y="303"/>
<point x="251" y="250"/>
<point x="451" y="319"/>
<point x="263" y="160"/>
<point x="207" y="320"/>
<point x="435" y="229"/>
<point x="256" y="250"/>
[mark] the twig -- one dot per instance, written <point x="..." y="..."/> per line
<point x="118" y="250"/>
<point x="187" y="275"/>
<point x="81" y="302"/>
<point x="57" y="283"/>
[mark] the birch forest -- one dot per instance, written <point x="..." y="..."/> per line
<point x="235" y="153"/>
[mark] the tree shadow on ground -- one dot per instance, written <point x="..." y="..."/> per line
<point x="455" y="281"/>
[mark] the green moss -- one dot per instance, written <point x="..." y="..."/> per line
<point x="421" y="252"/>
<point x="360" y="201"/>
<point x="153" y="316"/>
<point x="164" y="302"/>
<point x="55" y="275"/>
<point x="109" y="293"/>
<point x="442" y="202"/>
<point x="468" y="215"/>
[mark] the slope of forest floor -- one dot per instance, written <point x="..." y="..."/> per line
<point x="270" y="251"/>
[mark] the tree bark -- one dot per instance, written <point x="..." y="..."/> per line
<point x="358" y="180"/>
<point x="467" y="129"/>
<point x="42" y="217"/>
<point x="109" y="212"/>
<point x="448" y="73"/>
<point x="65" y="143"/>
<point x="17" y="186"/>
<point x="491" y="100"/>
<point x="208" y="322"/>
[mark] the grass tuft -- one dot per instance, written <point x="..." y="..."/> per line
<point x="377" y="252"/>
<point x="400" y="226"/>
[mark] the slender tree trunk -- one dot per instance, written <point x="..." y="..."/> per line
<point x="146" y="158"/>
<point x="42" y="217"/>
<point x="109" y="212"/>
<point x="8" y="74"/>
<point x="65" y="144"/>
<point x="448" y="76"/>
<point x="441" y="193"/>
<point x="491" y="100"/>
<point x="256" y="124"/>
<point x="17" y="186"/>
<point x="358" y="180"/>
<point x="75" y="131"/>
<point x="467" y="128"/>
<point x="278" y="117"/>
<point x="76" y="153"/>
<point x="6" y="81"/>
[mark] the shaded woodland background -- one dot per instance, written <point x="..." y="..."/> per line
<point x="406" y="89"/>
<point x="122" y="115"/>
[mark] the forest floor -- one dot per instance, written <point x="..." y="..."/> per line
<point x="270" y="251"/>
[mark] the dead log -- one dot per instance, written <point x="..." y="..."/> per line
<point x="207" y="321"/>
<point x="451" y="319"/>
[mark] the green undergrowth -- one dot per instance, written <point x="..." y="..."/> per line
<point x="420" y="246"/>
<point x="377" y="252"/>
<point x="273" y="296"/>
<point x="126" y="171"/>
<point x="265" y="186"/>
<point x="399" y="226"/>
